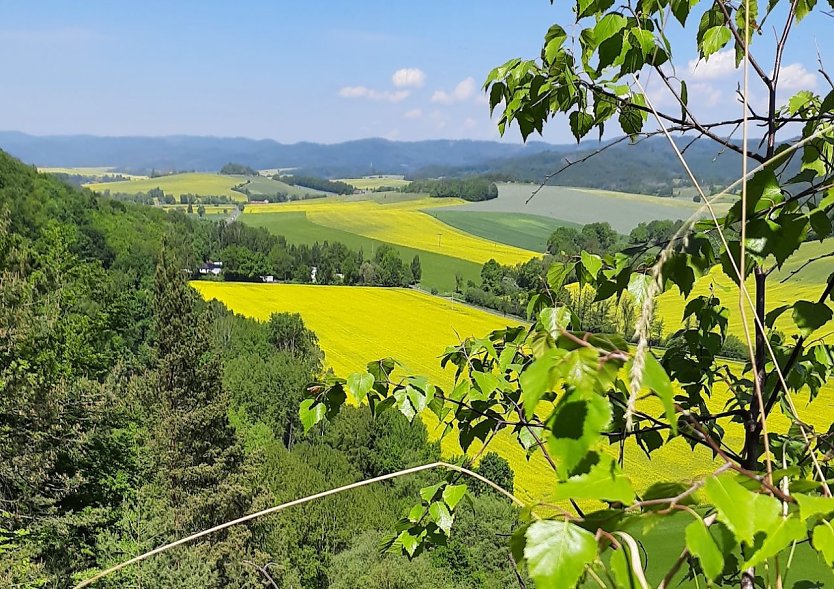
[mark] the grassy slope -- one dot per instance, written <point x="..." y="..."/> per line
<point x="374" y="182"/>
<point x="177" y="184"/>
<point x="623" y="211"/>
<point x="519" y="229"/>
<point x="438" y="270"/>
<point x="260" y="185"/>
<point x="402" y="223"/>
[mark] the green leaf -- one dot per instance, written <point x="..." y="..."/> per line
<point x="555" y="320"/>
<point x="581" y="123"/>
<point x="311" y="412"/>
<point x="553" y="41"/>
<point x="539" y="378"/>
<point x="811" y="505"/>
<point x="592" y="263"/>
<point x="823" y="540"/>
<point x="603" y="480"/>
<point x="452" y="495"/>
<point x="608" y="26"/>
<point x="820" y="223"/>
<point x="656" y="379"/>
<point x="428" y="493"/>
<point x="360" y="384"/>
<point x="809" y="316"/>
<point x="714" y="40"/>
<point x="684" y="95"/>
<point x="744" y="512"/>
<point x="409" y="542"/>
<point x="787" y="530"/>
<point x="700" y="543"/>
<point x="557" y="553"/>
<point x="440" y="515"/>
<point x="577" y="424"/>
<point x="620" y="565"/>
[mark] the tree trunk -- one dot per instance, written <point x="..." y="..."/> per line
<point x="753" y="424"/>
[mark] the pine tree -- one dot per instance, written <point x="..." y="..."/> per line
<point x="199" y="460"/>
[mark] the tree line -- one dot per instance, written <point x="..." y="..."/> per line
<point x="250" y="254"/>
<point x="472" y="189"/>
<point x="316" y="183"/>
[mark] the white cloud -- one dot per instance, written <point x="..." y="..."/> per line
<point x="462" y="91"/>
<point x="796" y="77"/>
<point x="371" y="94"/>
<point x="469" y="123"/>
<point x="414" y="113"/>
<point x="707" y="94"/>
<point x="409" y="77"/>
<point x="719" y="65"/>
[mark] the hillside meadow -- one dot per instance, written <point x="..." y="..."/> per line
<point x="402" y="223"/>
<point x="438" y="270"/>
<point x="359" y="324"/>
<point x="584" y="205"/>
<point x="263" y="186"/>
<point x="201" y="184"/>
<point x="375" y="182"/>
<point x="529" y="232"/>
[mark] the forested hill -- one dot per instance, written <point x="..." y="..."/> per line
<point x="132" y="413"/>
<point x="349" y="159"/>
<point x="648" y="167"/>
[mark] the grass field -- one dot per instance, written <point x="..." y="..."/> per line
<point x="374" y="182"/>
<point x="522" y="230"/>
<point x="177" y="184"/>
<point x="438" y="270"/>
<point x="95" y="172"/>
<point x="582" y="206"/>
<point x="402" y="223"/>
<point x="262" y="186"/>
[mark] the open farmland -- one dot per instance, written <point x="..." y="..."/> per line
<point x="201" y="184"/>
<point x="583" y="206"/>
<point x="97" y="172"/>
<point x="438" y="270"/>
<point x="522" y="230"/>
<point x="357" y="324"/>
<point x="263" y="186"/>
<point x="375" y="182"/>
<point x="402" y="223"/>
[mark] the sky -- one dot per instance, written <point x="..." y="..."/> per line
<point x="305" y="70"/>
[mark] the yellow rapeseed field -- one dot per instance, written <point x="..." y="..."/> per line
<point x="356" y="325"/>
<point x="177" y="184"/>
<point x="402" y="223"/>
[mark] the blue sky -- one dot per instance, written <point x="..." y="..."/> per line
<point x="293" y="71"/>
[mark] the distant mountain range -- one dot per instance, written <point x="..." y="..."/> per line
<point x="182" y="152"/>
<point x="648" y="167"/>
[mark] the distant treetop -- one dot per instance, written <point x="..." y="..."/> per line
<point x="233" y="169"/>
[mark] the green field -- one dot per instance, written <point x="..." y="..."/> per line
<point x="583" y="205"/>
<point x="263" y="186"/>
<point x="201" y="184"/>
<point x="97" y="172"/>
<point x="438" y="270"/>
<point x="374" y="182"/>
<point x="519" y="229"/>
